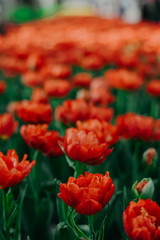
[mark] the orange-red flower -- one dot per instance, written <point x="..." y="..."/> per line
<point x="39" y="95"/>
<point x="37" y="136"/>
<point x="124" y="79"/>
<point x="100" y="93"/>
<point x="86" y="147"/>
<point x="33" y="112"/>
<point x="101" y="113"/>
<point x="92" y="62"/>
<point x="31" y="79"/>
<point x="153" y="87"/>
<point x="142" y="220"/>
<point x="12" y="171"/>
<point x="105" y="131"/>
<point x="2" y="87"/>
<point x="131" y="125"/>
<point x="82" y="80"/>
<point x="7" y="125"/>
<point x="87" y="194"/>
<point x="71" y="111"/>
<point x="56" y="71"/>
<point x="57" y="88"/>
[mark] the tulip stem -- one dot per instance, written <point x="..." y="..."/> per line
<point x="4" y="202"/>
<point x="135" y="162"/>
<point x="90" y="223"/>
<point x="120" y="101"/>
<point x="77" y="231"/>
<point x="154" y="108"/>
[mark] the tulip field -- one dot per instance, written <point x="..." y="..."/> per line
<point x="80" y="130"/>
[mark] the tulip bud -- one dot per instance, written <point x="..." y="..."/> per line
<point x="150" y="157"/>
<point x="143" y="189"/>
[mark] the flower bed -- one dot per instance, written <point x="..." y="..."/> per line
<point x="80" y="100"/>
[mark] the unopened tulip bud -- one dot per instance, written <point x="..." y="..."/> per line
<point x="150" y="157"/>
<point x="144" y="189"/>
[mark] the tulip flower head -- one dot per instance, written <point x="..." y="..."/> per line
<point x="87" y="194"/>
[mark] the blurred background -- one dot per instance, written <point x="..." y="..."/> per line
<point x="131" y="11"/>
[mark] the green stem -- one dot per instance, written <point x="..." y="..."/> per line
<point x="80" y="167"/>
<point x="36" y="169"/>
<point x="154" y="108"/>
<point x="80" y="234"/>
<point x="5" y="215"/>
<point x="120" y="102"/>
<point x="135" y="162"/>
<point x="90" y="223"/>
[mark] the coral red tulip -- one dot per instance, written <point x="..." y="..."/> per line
<point x="88" y="194"/>
<point x="37" y="136"/>
<point x="131" y="125"/>
<point x="71" y="111"/>
<point x="33" y="112"/>
<point x="153" y="87"/>
<point x="101" y="113"/>
<point x="84" y="146"/>
<point x="57" y="88"/>
<point x="124" y="79"/>
<point x="31" y="79"/>
<point x="7" y="125"/>
<point x="13" y="171"/>
<point x="142" y="220"/>
<point x="82" y="80"/>
<point x="39" y="95"/>
<point x="105" y="131"/>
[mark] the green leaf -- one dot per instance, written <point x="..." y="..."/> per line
<point x="70" y="162"/>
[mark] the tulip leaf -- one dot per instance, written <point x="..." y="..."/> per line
<point x="12" y="216"/>
<point x="70" y="162"/>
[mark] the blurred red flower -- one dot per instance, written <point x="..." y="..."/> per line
<point x="105" y="131"/>
<point x="131" y="125"/>
<point x="31" y="78"/>
<point x="33" y="112"/>
<point x="37" y="136"/>
<point x="13" y="171"/>
<point x="39" y="95"/>
<point x="82" y="80"/>
<point x="2" y="86"/>
<point x="85" y="147"/>
<point x="153" y="87"/>
<point x="55" y="70"/>
<point x="142" y="220"/>
<point x="100" y="93"/>
<point x="123" y="79"/>
<point x="57" y="88"/>
<point x="71" y="111"/>
<point x="88" y="194"/>
<point x="101" y="113"/>
<point x="7" y="125"/>
<point x="92" y="62"/>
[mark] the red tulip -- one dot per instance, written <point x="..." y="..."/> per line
<point x="84" y="146"/>
<point x="142" y="220"/>
<point x="131" y="125"/>
<point x="105" y="131"/>
<point x="13" y="171"/>
<point x="7" y="125"/>
<point x="33" y="112"/>
<point x="37" y="136"/>
<point x="88" y="194"/>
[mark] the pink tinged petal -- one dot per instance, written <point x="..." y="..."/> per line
<point x="89" y="207"/>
